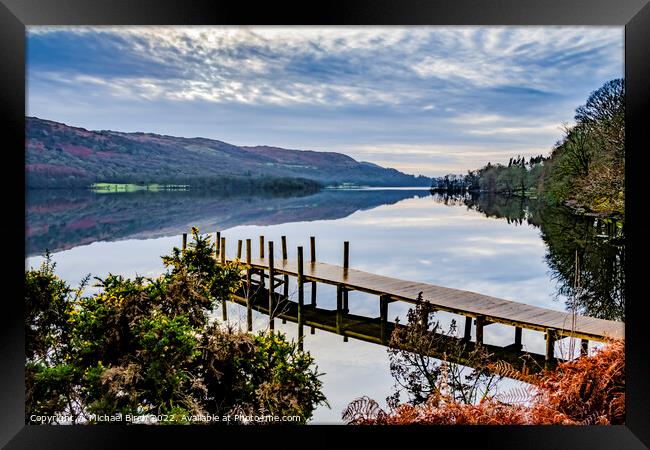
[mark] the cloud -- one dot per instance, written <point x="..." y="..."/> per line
<point x="497" y="88"/>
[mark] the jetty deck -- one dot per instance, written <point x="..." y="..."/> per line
<point x="478" y="309"/>
<point x="466" y="303"/>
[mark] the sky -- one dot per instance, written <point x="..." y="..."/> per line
<point x="424" y="100"/>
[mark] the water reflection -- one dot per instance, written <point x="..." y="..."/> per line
<point x="586" y="255"/>
<point x="398" y="233"/>
<point x="376" y="330"/>
<point x="60" y="220"/>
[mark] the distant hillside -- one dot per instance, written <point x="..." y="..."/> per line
<point x="58" y="155"/>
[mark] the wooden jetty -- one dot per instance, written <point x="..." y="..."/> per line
<point x="373" y="330"/>
<point x="478" y="309"/>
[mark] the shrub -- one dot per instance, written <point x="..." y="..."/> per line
<point x="147" y="346"/>
<point x="589" y="390"/>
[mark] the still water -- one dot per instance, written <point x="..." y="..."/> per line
<point x="512" y="249"/>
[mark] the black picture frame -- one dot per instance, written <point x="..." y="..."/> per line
<point x="634" y="15"/>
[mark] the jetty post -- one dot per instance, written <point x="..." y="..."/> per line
<point x="285" y="278"/>
<point x="312" y="254"/>
<point x="261" y="272"/>
<point x="249" y="304"/>
<point x="271" y="287"/>
<point x="518" y="338"/>
<point x="346" y="266"/>
<point x="301" y="298"/>
<point x="468" y="328"/>
<point x="551" y="336"/>
<point x="383" y="317"/>
<point x="480" y="323"/>
<point x="339" y="308"/>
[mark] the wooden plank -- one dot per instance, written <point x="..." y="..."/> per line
<point x="447" y="299"/>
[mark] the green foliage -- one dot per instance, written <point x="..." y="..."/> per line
<point x="588" y="165"/>
<point x="271" y="375"/>
<point x="217" y="282"/>
<point x="147" y="346"/>
<point x="518" y="178"/>
<point x="585" y="169"/>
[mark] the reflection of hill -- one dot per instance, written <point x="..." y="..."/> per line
<point x="59" y="220"/>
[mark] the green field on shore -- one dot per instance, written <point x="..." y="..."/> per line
<point x="128" y="187"/>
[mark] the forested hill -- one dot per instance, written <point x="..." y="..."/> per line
<point x="58" y="155"/>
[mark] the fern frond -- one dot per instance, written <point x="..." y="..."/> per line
<point x="517" y="395"/>
<point x="361" y="409"/>
<point x="506" y="370"/>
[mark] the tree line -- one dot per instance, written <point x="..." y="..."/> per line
<point x="585" y="169"/>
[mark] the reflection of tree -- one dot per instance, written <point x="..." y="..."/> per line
<point x="422" y="377"/>
<point x="595" y="244"/>
<point x="600" y="260"/>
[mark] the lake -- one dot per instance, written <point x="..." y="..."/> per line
<point x="515" y="249"/>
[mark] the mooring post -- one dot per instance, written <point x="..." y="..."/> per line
<point x="584" y="347"/>
<point x="249" y="304"/>
<point x="313" y="330"/>
<point x="383" y="318"/>
<point x="301" y="297"/>
<point x="312" y="254"/>
<point x="480" y="322"/>
<point x="184" y="241"/>
<point x="261" y="257"/>
<point x="217" y="244"/>
<point x="339" y="297"/>
<point x="518" y="338"/>
<point x="239" y="245"/>
<point x="346" y="266"/>
<point x="468" y="328"/>
<point x="301" y="282"/>
<point x="285" y="278"/>
<point x="271" y="281"/>
<point x="550" y="344"/>
<point x="301" y="334"/>
<point x="339" y="309"/>
<point x="224" y="310"/>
